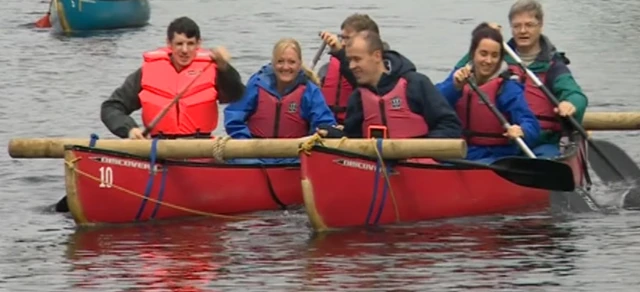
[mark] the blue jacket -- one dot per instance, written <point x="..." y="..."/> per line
<point x="423" y="99"/>
<point x="512" y="103"/>
<point x="314" y="108"/>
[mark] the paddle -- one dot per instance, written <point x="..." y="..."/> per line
<point x="318" y="55"/>
<point x="544" y="173"/>
<point x="627" y="166"/>
<point x="629" y="169"/>
<point x="45" y="20"/>
<point x="556" y="172"/>
<point x="527" y="172"/>
<point x="609" y="165"/>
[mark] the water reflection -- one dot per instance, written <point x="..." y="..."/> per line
<point x="492" y="254"/>
<point x="176" y="256"/>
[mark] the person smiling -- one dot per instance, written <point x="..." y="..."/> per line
<point x="526" y="19"/>
<point x="392" y="100"/>
<point x="166" y="72"/>
<point x="282" y="100"/>
<point x="485" y="135"/>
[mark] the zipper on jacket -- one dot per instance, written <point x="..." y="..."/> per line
<point x="383" y="114"/>
<point x="276" y="126"/>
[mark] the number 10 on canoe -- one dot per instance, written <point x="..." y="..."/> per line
<point x="106" y="177"/>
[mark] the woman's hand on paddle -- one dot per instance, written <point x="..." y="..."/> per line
<point x="136" y="134"/>
<point x="221" y="56"/>
<point x="461" y="76"/>
<point x="331" y="40"/>
<point x="514" y="131"/>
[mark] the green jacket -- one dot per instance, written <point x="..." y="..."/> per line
<point x="560" y="81"/>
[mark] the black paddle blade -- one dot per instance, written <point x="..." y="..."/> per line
<point x="62" y="206"/>
<point x="617" y="156"/>
<point x="578" y="201"/>
<point x="629" y="169"/>
<point x="536" y="173"/>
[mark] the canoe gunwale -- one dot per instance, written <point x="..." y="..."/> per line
<point x="169" y="162"/>
<point x="569" y="152"/>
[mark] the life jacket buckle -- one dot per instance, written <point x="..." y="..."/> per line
<point x="378" y="132"/>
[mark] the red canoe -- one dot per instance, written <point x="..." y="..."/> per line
<point x="339" y="188"/>
<point x="114" y="187"/>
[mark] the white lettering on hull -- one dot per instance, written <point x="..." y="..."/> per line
<point x="361" y="165"/>
<point x="127" y="163"/>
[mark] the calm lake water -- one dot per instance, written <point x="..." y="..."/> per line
<point x="53" y="86"/>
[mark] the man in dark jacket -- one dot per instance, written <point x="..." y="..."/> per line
<point x="183" y="49"/>
<point x="393" y="98"/>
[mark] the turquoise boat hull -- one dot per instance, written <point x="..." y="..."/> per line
<point x="88" y="15"/>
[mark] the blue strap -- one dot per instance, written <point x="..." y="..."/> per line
<point x="385" y="188"/>
<point x="375" y="190"/>
<point x="152" y="172"/>
<point x="94" y="139"/>
<point x="163" y="181"/>
<point x="383" y="201"/>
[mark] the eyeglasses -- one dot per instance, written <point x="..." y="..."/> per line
<point x="526" y="25"/>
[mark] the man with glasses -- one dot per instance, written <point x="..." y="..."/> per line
<point x="337" y="80"/>
<point x="541" y="57"/>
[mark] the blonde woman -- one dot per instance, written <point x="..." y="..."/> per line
<point x="282" y="100"/>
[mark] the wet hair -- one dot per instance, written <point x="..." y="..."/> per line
<point x="285" y="43"/>
<point x="484" y="31"/>
<point x="360" y="22"/>
<point x="371" y="39"/>
<point x="531" y="6"/>
<point x="183" y="25"/>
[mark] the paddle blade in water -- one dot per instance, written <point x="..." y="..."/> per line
<point x="62" y="206"/>
<point x="609" y="176"/>
<point x="621" y="159"/>
<point x="43" y="22"/>
<point x="536" y="173"/>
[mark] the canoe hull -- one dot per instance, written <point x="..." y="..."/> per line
<point x="111" y="187"/>
<point x="88" y="15"/>
<point x="419" y="191"/>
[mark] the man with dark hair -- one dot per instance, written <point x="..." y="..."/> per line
<point x="337" y="80"/>
<point x="393" y="100"/>
<point x="164" y="74"/>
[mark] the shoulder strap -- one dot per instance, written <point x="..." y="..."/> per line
<point x="504" y="76"/>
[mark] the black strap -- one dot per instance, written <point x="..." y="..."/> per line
<point x="338" y="109"/>
<point x="196" y="135"/>
<point x="272" y="192"/>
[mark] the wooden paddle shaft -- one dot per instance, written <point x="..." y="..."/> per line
<point x="611" y="121"/>
<point x="245" y="148"/>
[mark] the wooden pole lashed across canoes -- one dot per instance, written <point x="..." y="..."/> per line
<point x="245" y="148"/>
<point x="611" y="121"/>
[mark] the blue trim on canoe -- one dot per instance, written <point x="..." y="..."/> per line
<point x="88" y="15"/>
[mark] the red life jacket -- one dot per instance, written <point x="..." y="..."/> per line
<point x="336" y="90"/>
<point x="540" y="105"/>
<point x="196" y="111"/>
<point x="279" y="118"/>
<point x="480" y="126"/>
<point x="392" y="111"/>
